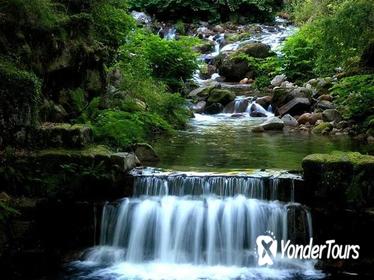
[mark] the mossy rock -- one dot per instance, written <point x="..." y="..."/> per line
<point x="61" y="171"/>
<point x="19" y="99"/>
<point x="233" y="68"/>
<point x="221" y="96"/>
<point x="257" y="50"/>
<point x="322" y="128"/>
<point x="340" y="178"/>
<point x="64" y="135"/>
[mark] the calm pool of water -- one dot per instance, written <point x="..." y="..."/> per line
<point x="222" y="143"/>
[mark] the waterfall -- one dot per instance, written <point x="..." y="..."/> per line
<point x="196" y="220"/>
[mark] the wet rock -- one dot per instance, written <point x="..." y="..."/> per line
<point x="199" y="107"/>
<point x="273" y="123"/>
<point x="244" y="81"/>
<point x="205" y="47"/>
<point x="331" y="115"/>
<point x="278" y="80"/>
<point x="256" y="114"/>
<point x="296" y="106"/>
<point x="221" y="96"/>
<point x="289" y="120"/>
<point x="323" y="128"/>
<point x="145" y="153"/>
<point x="237" y="115"/>
<point x="264" y="101"/>
<point x="214" y="108"/>
<point x="257" y="50"/>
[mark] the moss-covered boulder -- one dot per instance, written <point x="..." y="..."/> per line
<point x="78" y="173"/>
<point x="63" y="135"/>
<point x="322" y="128"/>
<point x="234" y="68"/>
<point x="19" y="97"/>
<point x="340" y="179"/>
<point x="257" y="50"/>
<point x="221" y="96"/>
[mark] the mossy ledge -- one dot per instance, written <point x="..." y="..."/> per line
<point x="340" y="179"/>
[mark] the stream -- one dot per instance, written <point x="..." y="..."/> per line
<point x="198" y="216"/>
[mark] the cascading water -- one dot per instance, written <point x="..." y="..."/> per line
<point x="194" y="226"/>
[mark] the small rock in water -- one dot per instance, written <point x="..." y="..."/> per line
<point x="199" y="107"/>
<point x="256" y="114"/>
<point x="244" y="81"/>
<point x="237" y="115"/>
<point x="289" y="120"/>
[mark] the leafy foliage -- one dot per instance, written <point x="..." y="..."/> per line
<point x="334" y="37"/>
<point x="170" y="61"/>
<point x="213" y="10"/>
<point x="355" y="96"/>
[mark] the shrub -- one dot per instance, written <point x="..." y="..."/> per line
<point x="213" y="10"/>
<point x="355" y="96"/>
<point x="122" y="129"/>
<point x="335" y="38"/>
<point x="170" y="61"/>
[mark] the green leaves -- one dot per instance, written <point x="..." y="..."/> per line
<point x="355" y="96"/>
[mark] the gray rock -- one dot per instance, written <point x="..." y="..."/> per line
<point x="289" y="120"/>
<point x="273" y="123"/>
<point x="324" y="105"/>
<point x="125" y="161"/>
<point x="296" y="106"/>
<point x="145" y="153"/>
<point x="278" y="80"/>
<point x="199" y="107"/>
<point x="331" y="115"/>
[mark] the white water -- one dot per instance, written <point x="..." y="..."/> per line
<point x="196" y="226"/>
<point x="273" y="36"/>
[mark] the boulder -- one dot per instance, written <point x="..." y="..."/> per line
<point x="322" y="128"/>
<point x="331" y="115"/>
<point x="214" y="108"/>
<point x="264" y="101"/>
<point x="289" y="120"/>
<point x="258" y="129"/>
<point x="201" y="92"/>
<point x="340" y="179"/>
<point x="218" y="28"/>
<point x="296" y="106"/>
<point x="257" y="50"/>
<point x="304" y="118"/>
<point x="145" y="153"/>
<point x="233" y="68"/>
<point x="314" y="118"/>
<point x="63" y="135"/>
<point x="199" y="107"/>
<point x="324" y="105"/>
<point x="273" y="123"/>
<point x="221" y="96"/>
<point x="278" y="80"/>
<point x="326" y="97"/>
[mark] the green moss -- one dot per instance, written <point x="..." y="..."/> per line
<point x="341" y="177"/>
<point x="96" y="150"/>
<point x="335" y="157"/>
<point x="222" y="96"/>
<point x="322" y="128"/>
